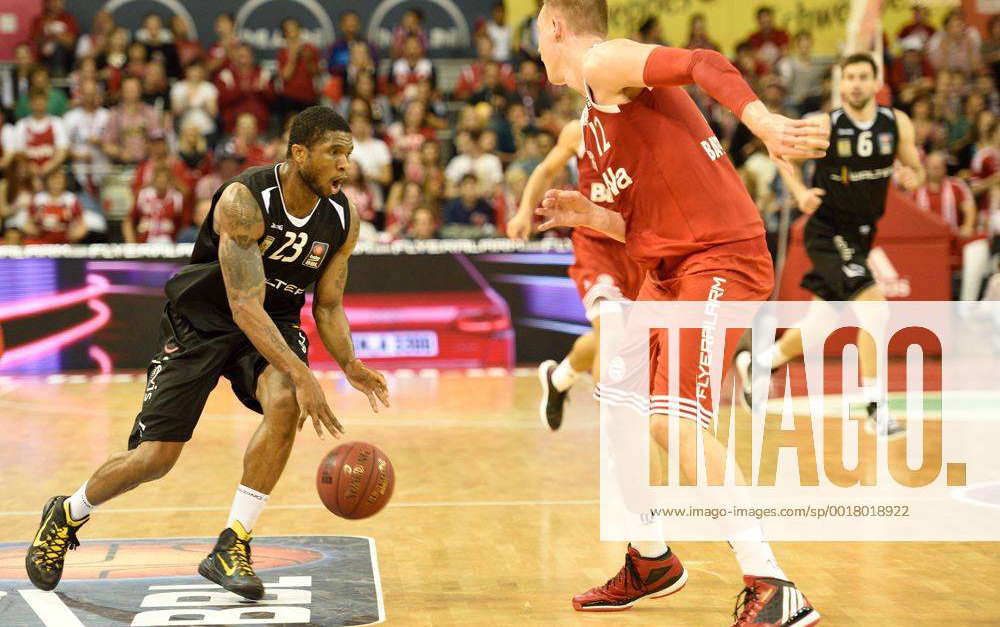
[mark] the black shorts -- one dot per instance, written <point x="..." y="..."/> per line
<point x="840" y="260"/>
<point x="186" y="370"/>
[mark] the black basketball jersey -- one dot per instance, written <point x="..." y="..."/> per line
<point x="294" y="251"/>
<point x="856" y="170"/>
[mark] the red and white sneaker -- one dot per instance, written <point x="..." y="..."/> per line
<point x="640" y="578"/>
<point x="768" y="602"/>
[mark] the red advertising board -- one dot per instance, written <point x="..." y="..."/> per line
<point x="15" y="19"/>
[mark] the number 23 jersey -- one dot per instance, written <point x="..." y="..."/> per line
<point x="294" y="253"/>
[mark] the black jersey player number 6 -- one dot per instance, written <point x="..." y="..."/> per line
<point x="298" y="243"/>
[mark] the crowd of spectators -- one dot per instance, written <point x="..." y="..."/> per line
<point x="83" y="112"/>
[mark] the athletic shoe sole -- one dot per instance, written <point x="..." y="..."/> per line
<point x="812" y="618"/>
<point x="871" y="428"/>
<point x="669" y="590"/>
<point x="543" y="380"/>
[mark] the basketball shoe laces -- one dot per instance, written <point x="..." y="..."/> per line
<point x="240" y="555"/>
<point x="56" y="541"/>
<point x="628" y="574"/>
<point x="748" y="604"/>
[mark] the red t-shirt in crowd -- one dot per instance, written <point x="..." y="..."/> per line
<point x="985" y="164"/>
<point x="45" y="26"/>
<point x="53" y="215"/>
<point x="157" y="219"/>
<point x="300" y="87"/>
<point x="946" y="201"/>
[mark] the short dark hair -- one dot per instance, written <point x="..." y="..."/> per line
<point x="584" y="16"/>
<point x="290" y="19"/>
<point x="648" y="25"/>
<point x="313" y="123"/>
<point x="764" y="9"/>
<point x="860" y="57"/>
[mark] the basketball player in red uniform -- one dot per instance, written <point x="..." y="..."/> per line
<point x="687" y="219"/>
<point x="601" y="270"/>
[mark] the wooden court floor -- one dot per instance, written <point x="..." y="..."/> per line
<point x="494" y="520"/>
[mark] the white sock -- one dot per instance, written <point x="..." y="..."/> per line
<point x="650" y="549"/>
<point x="771" y="358"/>
<point x="754" y="554"/>
<point x="563" y="377"/>
<point x="247" y="507"/>
<point x="870" y="389"/>
<point x="79" y="506"/>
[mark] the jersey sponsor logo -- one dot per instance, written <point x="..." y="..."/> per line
<point x="843" y="248"/>
<point x="615" y="182"/>
<point x="885" y="146"/>
<point x="316" y="255"/>
<point x="283" y="286"/>
<point x="844" y="147"/>
<point x="713" y="148"/>
<point x="845" y="131"/>
<point x="848" y="176"/>
<point x="278" y="227"/>
<point x="854" y="270"/>
<point x="266" y="244"/>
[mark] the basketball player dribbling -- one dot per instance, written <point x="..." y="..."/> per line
<point x="687" y="219"/>
<point x="234" y="311"/>
<point x="601" y="269"/>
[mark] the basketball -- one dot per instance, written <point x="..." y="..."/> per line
<point x="355" y="480"/>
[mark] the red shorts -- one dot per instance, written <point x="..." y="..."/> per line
<point x="741" y="271"/>
<point x="603" y="271"/>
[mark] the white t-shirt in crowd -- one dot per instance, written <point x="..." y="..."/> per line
<point x="372" y="155"/>
<point x="195" y="101"/>
<point x="81" y="127"/>
<point x="487" y="168"/>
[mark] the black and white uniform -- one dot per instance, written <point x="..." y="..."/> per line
<point x="855" y="175"/>
<point x="199" y="342"/>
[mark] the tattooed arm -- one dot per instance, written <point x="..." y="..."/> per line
<point x="335" y="331"/>
<point x="240" y="224"/>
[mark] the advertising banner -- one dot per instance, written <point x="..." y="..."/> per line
<point x="449" y="304"/>
<point x="449" y="23"/>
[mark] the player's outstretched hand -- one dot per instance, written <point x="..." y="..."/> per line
<point x="312" y="403"/>
<point x="565" y="208"/>
<point x="369" y="382"/>
<point x="519" y="227"/>
<point x="787" y="138"/>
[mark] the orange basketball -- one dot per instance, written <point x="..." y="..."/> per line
<point x="355" y="480"/>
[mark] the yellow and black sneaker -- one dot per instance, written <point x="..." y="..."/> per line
<point x="56" y="535"/>
<point x="229" y="564"/>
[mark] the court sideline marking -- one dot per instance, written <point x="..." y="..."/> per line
<point x="319" y="506"/>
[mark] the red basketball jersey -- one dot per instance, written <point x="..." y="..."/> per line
<point x="663" y="169"/>
<point x="39" y="139"/>
<point x="157" y="219"/>
<point x="53" y="215"/>
<point x="589" y="184"/>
